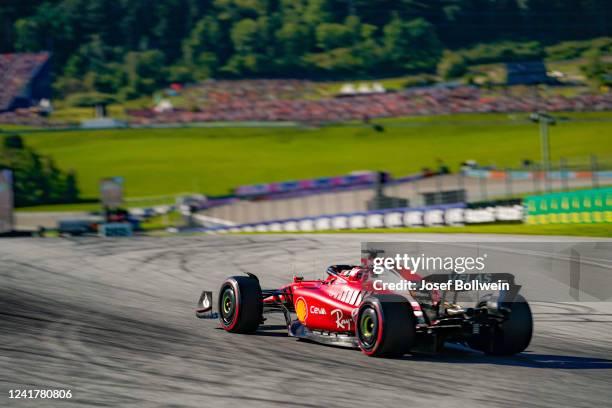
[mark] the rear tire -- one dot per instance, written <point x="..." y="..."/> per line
<point x="513" y="335"/>
<point x="385" y="326"/>
<point x="240" y="304"/>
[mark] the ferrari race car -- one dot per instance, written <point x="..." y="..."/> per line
<point x="345" y="309"/>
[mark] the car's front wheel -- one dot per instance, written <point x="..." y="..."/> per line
<point x="240" y="304"/>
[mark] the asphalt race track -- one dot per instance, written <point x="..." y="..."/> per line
<point x="113" y="321"/>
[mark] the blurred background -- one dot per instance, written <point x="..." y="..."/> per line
<point x="122" y="117"/>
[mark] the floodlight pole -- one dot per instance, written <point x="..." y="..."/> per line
<point x="545" y="144"/>
<point x="544" y="120"/>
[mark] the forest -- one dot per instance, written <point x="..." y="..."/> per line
<point x="130" y="48"/>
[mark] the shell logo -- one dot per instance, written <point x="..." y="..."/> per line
<point x="301" y="309"/>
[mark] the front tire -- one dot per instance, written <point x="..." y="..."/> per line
<point x="240" y="304"/>
<point x="385" y="326"/>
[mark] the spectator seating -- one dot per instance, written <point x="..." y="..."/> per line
<point x="17" y="74"/>
<point x="238" y="104"/>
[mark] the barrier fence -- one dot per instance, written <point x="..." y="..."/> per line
<point x="308" y="198"/>
<point x="438" y="215"/>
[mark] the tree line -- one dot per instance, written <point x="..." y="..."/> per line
<point x="37" y="180"/>
<point x="131" y="47"/>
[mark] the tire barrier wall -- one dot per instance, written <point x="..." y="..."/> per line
<point x="438" y="215"/>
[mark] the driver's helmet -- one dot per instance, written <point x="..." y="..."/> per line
<point x="354" y="273"/>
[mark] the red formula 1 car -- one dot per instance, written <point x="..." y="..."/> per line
<point x="345" y="310"/>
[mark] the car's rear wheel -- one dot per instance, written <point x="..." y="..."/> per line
<point x="513" y="335"/>
<point x="385" y="326"/>
<point x="240" y="304"/>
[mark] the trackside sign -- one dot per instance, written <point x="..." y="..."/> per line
<point x="111" y="192"/>
<point x="582" y="206"/>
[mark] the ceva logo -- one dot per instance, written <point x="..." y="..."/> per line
<point x="318" y="310"/>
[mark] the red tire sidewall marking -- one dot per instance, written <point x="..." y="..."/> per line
<point x="376" y="306"/>
<point x="234" y="285"/>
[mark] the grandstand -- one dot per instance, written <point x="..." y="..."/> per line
<point x="24" y="80"/>
<point x="235" y="106"/>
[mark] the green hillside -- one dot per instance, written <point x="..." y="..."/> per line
<point x="214" y="160"/>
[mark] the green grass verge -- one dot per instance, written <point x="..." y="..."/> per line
<point x="160" y="222"/>
<point x="95" y="206"/>
<point x="62" y="207"/>
<point x="214" y="160"/>
<point x="5" y="128"/>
